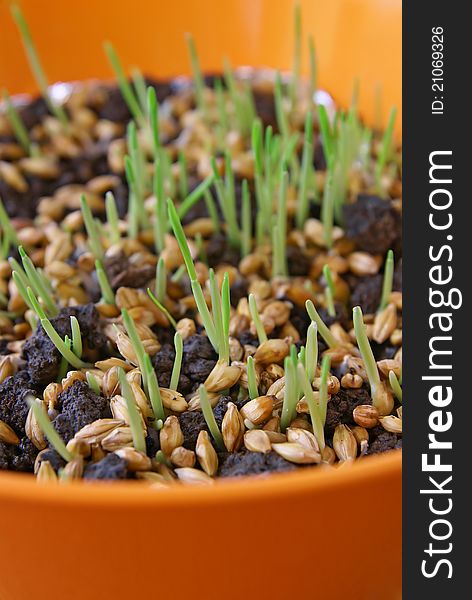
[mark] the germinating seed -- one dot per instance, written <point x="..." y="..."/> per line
<point x="190" y="345"/>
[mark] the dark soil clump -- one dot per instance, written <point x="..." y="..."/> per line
<point x="79" y="406"/>
<point x="122" y="273"/>
<point x="191" y="423"/>
<point x="381" y="440"/>
<point x="298" y="262"/>
<point x="110" y="467"/>
<point x="23" y="456"/>
<point x="219" y="252"/>
<point x="153" y="444"/>
<point x="243" y="463"/>
<point x="163" y="362"/>
<point x="367" y="293"/>
<point x="372" y="223"/>
<point x="13" y="407"/>
<point x="342" y="404"/>
<point x="43" y="358"/>
<point x="199" y="358"/>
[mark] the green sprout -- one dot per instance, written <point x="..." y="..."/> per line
<point x="163" y="309"/>
<point x="349" y="139"/>
<point x="199" y="242"/>
<point x="135" y="340"/>
<point x="311" y="350"/>
<point x="19" y="128"/>
<point x="178" y="273"/>
<point x="112" y="218"/>
<point x="160" y="216"/>
<point x="198" y="79"/>
<point x="135" y="419"/>
<point x="192" y="273"/>
<point x="136" y="175"/>
<point x="183" y="177"/>
<point x="181" y="240"/>
<point x="154" y="393"/>
<point x="108" y="295"/>
<point x="20" y="281"/>
<point x="326" y="136"/>
<point x="55" y="338"/>
<point x="313" y="68"/>
<point x="251" y="379"/>
<point x="330" y="291"/>
<point x="210" y="417"/>
<point x="195" y="195"/>
<point x="323" y="329"/>
<point x="258" y="152"/>
<point x="126" y="90"/>
<point x="294" y="355"/>
<point x="242" y="100"/>
<point x="153" y="113"/>
<point x="92" y="229"/>
<point x="76" y="336"/>
<point x="64" y="365"/>
<point x="302" y="356"/>
<point x="281" y="117"/>
<point x="220" y="309"/>
<point x="316" y="408"/>
<point x="387" y="280"/>
<point x="93" y="383"/>
<point x="179" y="349"/>
<point x="325" y="366"/>
<point x="9" y="238"/>
<point x="279" y="240"/>
<point x="223" y="126"/>
<point x="213" y="212"/>
<point x="385" y="149"/>
<point x="289" y="407"/>
<point x="47" y="427"/>
<point x="377" y="388"/>
<point x="31" y="277"/>
<point x="225" y="192"/>
<point x="3" y="299"/>
<point x="139" y="85"/>
<point x="297" y="35"/>
<point x="327" y="209"/>
<point x="161" y="280"/>
<point x="36" y="67"/>
<point x="246" y="220"/>
<point x="306" y="173"/>
<point x="395" y="384"/>
<point x="133" y="202"/>
<point x="256" y="319"/>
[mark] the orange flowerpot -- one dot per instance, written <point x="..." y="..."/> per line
<point x="310" y="534"/>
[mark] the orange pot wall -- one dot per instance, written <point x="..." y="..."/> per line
<point x="354" y="38"/>
<point x="309" y="535"/>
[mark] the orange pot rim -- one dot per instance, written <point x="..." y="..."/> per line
<point x="24" y="488"/>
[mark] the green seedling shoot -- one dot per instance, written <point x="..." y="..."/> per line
<point x="179" y="349"/>
<point x="256" y="319"/>
<point x="135" y="418"/>
<point x="108" y="295"/>
<point x="210" y="417"/>
<point x="330" y="291"/>
<point x="381" y="398"/>
<point x="36" y="67"/>
<point x="387" y="281"/>
<point x="41" y="416"/>
<point x="323" y="329"/>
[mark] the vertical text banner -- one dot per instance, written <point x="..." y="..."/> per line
<point x="437" y="329"/>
